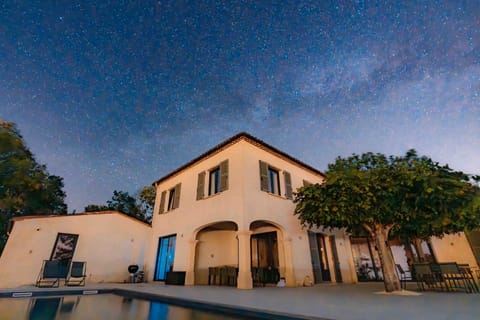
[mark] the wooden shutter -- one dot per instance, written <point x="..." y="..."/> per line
<point x="263" y="176"/>
<point x="288" y="184"/>
<point x="162" y="202"/>
<point x="176" y="199"/>
<point x="224" y="175"/>
<point x="201" y="186"/>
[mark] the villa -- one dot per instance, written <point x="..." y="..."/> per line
<point x="228" y="209"/>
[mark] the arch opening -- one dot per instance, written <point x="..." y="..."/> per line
<point x="216" y="246"/>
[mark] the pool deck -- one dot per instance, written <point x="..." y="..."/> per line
<point x="325" y="301"/>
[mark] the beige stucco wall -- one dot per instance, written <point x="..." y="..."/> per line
<point x="214" y="248"/>
<point x="243" y="204"/>
<point x="108" y="242"/>
<point x="453" y="248"/>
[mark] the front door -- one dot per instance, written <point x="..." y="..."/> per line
<point x="318" y="253"/>
<point x="264" y="250"/>
<point x="165" y="257"/>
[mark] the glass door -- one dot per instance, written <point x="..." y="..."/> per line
<point x="165" y="257"/>
<point x="318" y="254"/>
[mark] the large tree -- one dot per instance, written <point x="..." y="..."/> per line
<point x="379" y="193"/>
<point x="26" y="187"/>
<point x="139" y="207"/>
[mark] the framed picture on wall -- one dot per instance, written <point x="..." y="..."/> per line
<point x="64" y="246"/>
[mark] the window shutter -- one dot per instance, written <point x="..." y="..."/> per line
<point x="162" y="202"/>
<point x="263" y="176"/>
<point x="176" y="200"/>
<point x="288" y="184"/>
<point x="201" y="186"/>
<point x="224" y="175"/>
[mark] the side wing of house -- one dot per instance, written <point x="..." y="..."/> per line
<point x="107" y="242"/>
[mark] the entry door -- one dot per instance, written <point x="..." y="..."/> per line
<point x="165" y="257"/>
<point x="264" y="250"/>
<point x="318" y="253"/>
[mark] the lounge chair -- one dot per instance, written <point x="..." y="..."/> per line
<point x="77" y="275"/>
<point x="51" y="273"/>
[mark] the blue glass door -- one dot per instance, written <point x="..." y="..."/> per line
<point x="165" y="257"/>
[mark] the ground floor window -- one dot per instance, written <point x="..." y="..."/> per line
<point x="367" y="260"/>
<point x="165" y="257"/>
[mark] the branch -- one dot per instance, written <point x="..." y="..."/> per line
<point x="388" y="227"/>
<point x="369" y="229"/>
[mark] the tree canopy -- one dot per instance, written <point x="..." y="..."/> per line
<point x="139" y="207"/>
<point x="410" y="195"/>
<point x="26" y="187"/>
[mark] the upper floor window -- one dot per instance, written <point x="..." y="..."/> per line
<point x="214" y="181"/>
<point x="173" y="199"/>
<point x="217" y="180"/>
<point x="273" y="181"/>
<point x="270" y="180"/>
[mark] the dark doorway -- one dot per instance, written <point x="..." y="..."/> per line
<point x="318" y="253"/>
<point x="264" y="250"/>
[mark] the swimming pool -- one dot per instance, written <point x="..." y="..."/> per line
<point x="101" y="306"/>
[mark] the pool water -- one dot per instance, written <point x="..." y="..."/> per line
<point x="102" y="306"/>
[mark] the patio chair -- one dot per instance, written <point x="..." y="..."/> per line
<point x="78" y="274"/>
<point x="468" y="273"/>
<point x="454" y="278"/>
<point x="51" y="273"/>
<point x="426" y="276"/>
<point x="403" y="276"/>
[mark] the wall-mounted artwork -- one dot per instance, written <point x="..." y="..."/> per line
<point x="64" y="246"/>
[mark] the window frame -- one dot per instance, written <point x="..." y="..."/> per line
<point x="273" y="181"/>
<point x="214" y="186"/>
<point x="171" y="199"/>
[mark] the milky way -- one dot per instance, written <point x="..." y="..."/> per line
<point x="113" y="96"/>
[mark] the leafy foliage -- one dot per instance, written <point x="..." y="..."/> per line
<point x="411" y="195"/>
<point x="139" y="207"/>
<point x="26" y="187"/>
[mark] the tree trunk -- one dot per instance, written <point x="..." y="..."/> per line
<point x="418" y="247"/>
<point x="390" y="278"/>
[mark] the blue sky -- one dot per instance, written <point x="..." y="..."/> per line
<point x="112" y="95"/>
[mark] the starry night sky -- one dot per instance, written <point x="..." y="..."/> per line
<point x="112" y="95"/>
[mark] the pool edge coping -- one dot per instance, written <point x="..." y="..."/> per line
<point x="184" y="302"/>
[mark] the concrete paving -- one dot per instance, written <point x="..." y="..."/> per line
<point x="326" y="301"/>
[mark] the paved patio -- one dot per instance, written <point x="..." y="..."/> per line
<point x="343" y="302"/>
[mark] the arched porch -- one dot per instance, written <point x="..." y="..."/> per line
<point x="271" y="253"/>
<point x="215" y="246"/>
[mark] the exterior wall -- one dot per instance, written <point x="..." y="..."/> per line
<point x="245" y="205"/>
<point x="214" y="248"/>
<point x="192" y="215"/>
<point x="108" y="242"/>
<point x="453" y="248"/>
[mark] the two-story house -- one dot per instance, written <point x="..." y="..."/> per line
<point x="233" y="206"/>
<point x="229" y="209"/>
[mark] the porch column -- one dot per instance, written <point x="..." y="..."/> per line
<point x="244" y="280"/>
<point x="289" y="271"/>
<point x="190" y="272"/>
